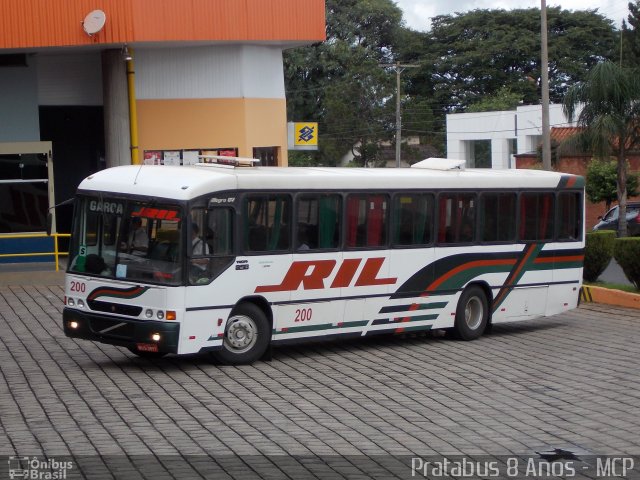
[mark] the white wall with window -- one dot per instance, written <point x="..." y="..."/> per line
<point x="509" y="132"/>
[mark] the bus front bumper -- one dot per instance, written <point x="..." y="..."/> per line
<point x="121" y="331"/>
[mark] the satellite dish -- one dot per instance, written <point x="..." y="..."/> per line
<point x="94" y="22"/>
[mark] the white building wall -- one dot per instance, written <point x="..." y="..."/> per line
<point x="523" y="124"/>
<point x="494" y="126"/>
<point x="230" y="71"/>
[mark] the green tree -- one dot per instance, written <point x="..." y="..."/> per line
<point x="503" y="99"/>
<point x="339" y="82"/>
<point x="478" y="53"/>
<point x="602" y="182"/>
<point x="631" y="36"/>
<point x="610" y="115"/>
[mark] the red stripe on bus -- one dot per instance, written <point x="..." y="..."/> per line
<point x="567" y="258"/>
<point x="465" y="266"/>
<point x="110" y="291"/>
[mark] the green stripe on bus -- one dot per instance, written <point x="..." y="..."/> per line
<point x="324" y="326"/>
<point x="555" y="266"/>
<point x="420" y="318"/>
<point x="464" y="276"/>
<point x="429" y="306"/>
<point x="416" y="328"/>
<point x="306" y="328"/>
<point x="357" y="323"/>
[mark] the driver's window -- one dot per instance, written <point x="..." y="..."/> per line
<point x="211" y="245"/>
<point x="135" y="238"/>
<point x="219" y="231"/>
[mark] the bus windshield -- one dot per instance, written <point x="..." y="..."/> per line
<point x="127" y="240"/>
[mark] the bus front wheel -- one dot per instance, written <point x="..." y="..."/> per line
<point x="472" y="313"/>
<point x="246" y="336"/>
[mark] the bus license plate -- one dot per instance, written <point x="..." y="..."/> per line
<point x="147" y="347"/>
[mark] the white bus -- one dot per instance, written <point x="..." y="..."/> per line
<point x="230" y="260"/>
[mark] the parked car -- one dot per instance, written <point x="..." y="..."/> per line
<point x="609" y="221"/>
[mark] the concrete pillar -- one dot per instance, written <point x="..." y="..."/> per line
<point x="499" y="153"/>
<point x="116" y="109"/>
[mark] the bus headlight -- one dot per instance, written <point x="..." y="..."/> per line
<point x="155" y="337"/>
<point x="71" y="302"/>
<point x="160" y="315"/>
<point x="73" y="325"/>
<point x="80" y="303"/>
<point x="148" y="313"/>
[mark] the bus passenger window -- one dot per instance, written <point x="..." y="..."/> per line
<point x="317" y="222"/>
<point x="413" y="219"/>
<point x="536" y="216"/>
<point x="366" y="220"/>
<point x="497" y="217"/>
<point x="457" y="218"/>
<point x="569" y="216"/>
<point x="267" y="222"/>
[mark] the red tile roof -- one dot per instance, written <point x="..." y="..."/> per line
<point x="560" y="134"/>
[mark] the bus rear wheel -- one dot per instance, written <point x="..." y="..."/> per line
<point x="246" y="336"/>
<point x="472" y="313"/>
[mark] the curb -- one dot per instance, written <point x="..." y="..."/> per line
<point x="609" y="297"/>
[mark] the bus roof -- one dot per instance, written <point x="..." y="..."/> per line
<point x="187" y="182"/>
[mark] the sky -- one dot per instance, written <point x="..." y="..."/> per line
<point x="417" y="13"/>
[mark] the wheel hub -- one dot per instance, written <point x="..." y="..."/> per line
<point x="241" y="334"/>
<point x="473" y="313"/>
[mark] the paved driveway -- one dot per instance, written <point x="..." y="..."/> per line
<point x="568" y="382"/>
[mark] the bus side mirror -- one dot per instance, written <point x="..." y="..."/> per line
<point x="49" y="223"/>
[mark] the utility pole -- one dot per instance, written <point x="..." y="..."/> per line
<point x="399" y="67"/>
<point x="544" y="70"/>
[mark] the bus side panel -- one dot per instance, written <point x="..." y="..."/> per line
<point x="407" y="308"/>
<point x="203" y="330"/>
<point x="366" y="280"/>
<point x="567" y="277"/>
<point x="209" y="306"/>
<point x="315" y="308"/>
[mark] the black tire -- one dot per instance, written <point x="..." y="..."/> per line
<point x="472" y="313"/>
<point x="142" y="354"/>
<point x="246" y="336"/>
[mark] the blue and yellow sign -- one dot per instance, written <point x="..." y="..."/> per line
<point x="306" y="134"/>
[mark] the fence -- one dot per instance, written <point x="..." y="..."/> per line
<point x="56" y="252"/>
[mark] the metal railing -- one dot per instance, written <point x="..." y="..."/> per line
<point x="56" y="252"/>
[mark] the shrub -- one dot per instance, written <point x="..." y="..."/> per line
<point x="597" y="253"/>
<point x="626" y="251"/>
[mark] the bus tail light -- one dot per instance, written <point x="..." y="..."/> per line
<point x="171" y="315"/>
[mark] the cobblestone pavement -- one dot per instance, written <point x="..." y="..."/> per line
<point x="568" y="382"/>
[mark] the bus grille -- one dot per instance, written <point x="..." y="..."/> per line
<point x="112" y="328"/>
<point x="129" y="310"/>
